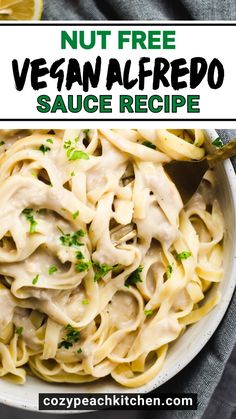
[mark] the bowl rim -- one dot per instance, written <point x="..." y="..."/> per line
<point x="203" y="339"/>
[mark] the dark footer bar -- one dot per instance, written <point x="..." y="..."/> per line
<point x="117" y="401"/>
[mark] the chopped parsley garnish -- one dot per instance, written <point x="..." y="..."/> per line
<point x="78" y="154"/>
<point x="52" y="269"/>
<point x="134" y="277"/>
<point x="44" y="148"/>
<point x="72" y="240"/>
<point x="149" y="144"/>
<point x="79" y="255"/>
<point x="86" y="131"/>
<point x="49" y="140"/>
<point x="79" y="351"/>
<point x="72" y="336"/>
<point x="83" y="266"/>
<point x="218" y="143"/>
<point x="35" y="280"/>
<point x="75" y="215"/>
<point x="148" y="312"/>
<point x="85" y="302"/>
<point x="2" y="143"/>
<point x="183" y="255"/>
<point x="72" y="174"/>
<point x="71" y="151"/>
<point x="28" y="212"/>
<point x="169" y="271"/>
<point x="67" y="144"/>
<point x="101" y="269"/>
<point x="19" y="331"/>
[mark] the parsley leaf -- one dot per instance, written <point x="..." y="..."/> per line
<point x="67" y="144"/>
<point x="79" y="351"/>
<point x="44" y="148"/>
<point x="183" y="255"/>
<point x="218" y="143"/>
<point x="134" y="277"/>
<point x="49" y="140"/>
<point x="52" y="269"/>
<point x="148" y="312"/>
<point x="19" y="331"/>
<point x="35" y="280"/>
<point x="101" y="269"/>
<point x="86" y="131"/>
<point x="79" y="255"/>
<point x="75" y="215"/>
<point x="72" y="336"/>
<point x="28" y="212"/>
<point x="2" y="143"/>
<point x="85" y="302"/>
<point x="83" y="266"/>
<point x="78" y="154"/>
<point x="72" y="174"/>
<point x="169" y="271"/>
<point x="72" y="240"/>
<point x="72" y="153"/>
<point x="149" y="144"/>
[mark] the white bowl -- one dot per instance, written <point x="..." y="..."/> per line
<point x="185" y="348"/>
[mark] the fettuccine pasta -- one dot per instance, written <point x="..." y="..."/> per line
<point x="101" y="266"/>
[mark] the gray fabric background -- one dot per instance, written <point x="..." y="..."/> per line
<point x="205" y="371"/>
<point x="140" y="9"/>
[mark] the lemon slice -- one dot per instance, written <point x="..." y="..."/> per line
<point x="21" y="9"/>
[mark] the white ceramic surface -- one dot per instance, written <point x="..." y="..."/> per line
<point x="185" y="348"/>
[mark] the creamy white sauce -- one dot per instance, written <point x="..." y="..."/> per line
<point x="100" y="274"/>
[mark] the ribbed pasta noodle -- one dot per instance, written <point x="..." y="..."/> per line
<point x="101" y="266"/>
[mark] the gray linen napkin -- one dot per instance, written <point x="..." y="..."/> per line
<point x="140" y="9"/>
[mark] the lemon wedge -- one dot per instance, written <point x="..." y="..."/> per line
<point x="21" y="9"/>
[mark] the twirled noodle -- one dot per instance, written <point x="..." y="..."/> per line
<point x="101" y="266"/>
